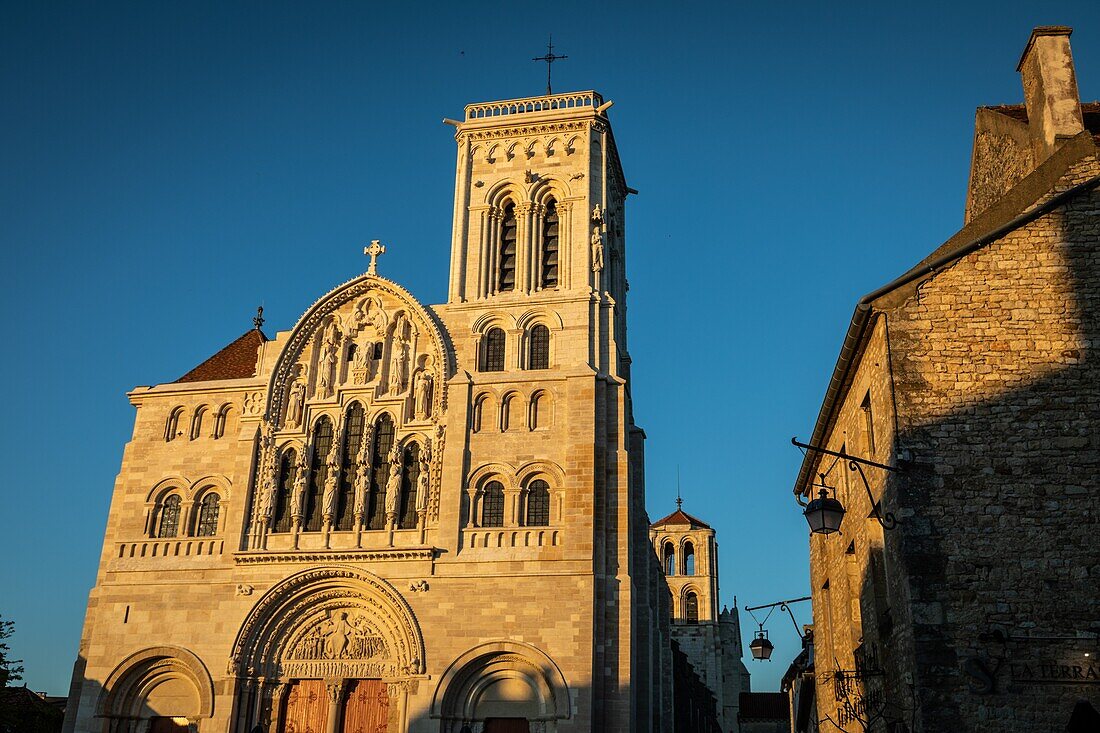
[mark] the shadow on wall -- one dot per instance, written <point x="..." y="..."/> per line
<point x="998" y="548"/>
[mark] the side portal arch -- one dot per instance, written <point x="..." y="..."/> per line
<point x="501" y="679"/>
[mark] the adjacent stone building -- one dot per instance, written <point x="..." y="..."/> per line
<point x="709" y="638"/>
<point x="400" y="517"/>
<point x="975" y="380"/>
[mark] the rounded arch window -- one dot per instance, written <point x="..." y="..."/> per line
<point x="691" y="608"/>
<point x="169" y="524"/>
<point x="689" y="558"/>
<point x="492" y="505"/>
<point x="539" y="348"/>
<point x="538" y="504"/>
<point x="493" y="356"/>
<point x="172" y="424"/>
<point x="288" y="469"/>
<point x="209" y="508"/>
<point x="540" y="411"/>
<point x="380" y="471"/>
<point x="322" y="445"/>
<point x="668" y="559"/>
<point x="354" y="424"/>
<point x="196" y="422"/>
<point x="220" y="421"/>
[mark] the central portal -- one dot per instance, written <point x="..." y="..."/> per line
<point x="359" y="706"/>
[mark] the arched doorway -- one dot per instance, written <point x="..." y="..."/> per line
<point x="501" y="687"/>
<point x="328" y="649"/>
<point x="161" y="689"/>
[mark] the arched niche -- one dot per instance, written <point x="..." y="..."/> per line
<point x="501" y="679"/>
<point x="158" y="682"/>
<point x="330" y="622"/>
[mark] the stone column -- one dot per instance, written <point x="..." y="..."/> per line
<point x="335" y="690"/>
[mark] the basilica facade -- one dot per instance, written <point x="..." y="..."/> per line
<point x="401" y="517"/>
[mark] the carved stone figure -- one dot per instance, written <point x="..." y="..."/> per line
<point x="295" y="405"/>
<point x="422" y="484"/>
<point x="423" y="395"/>
<point x="399" y="363"/>
<point x="338" y="633"/>
<point x="332" y="478"/>
<point x="393" y="489"/>
<point x="597" y="214"/>
<point x="266" y="503"/>
<point x="597" y="250"/>
<point x="360" y="367"/>
<point x="301" y="482"/>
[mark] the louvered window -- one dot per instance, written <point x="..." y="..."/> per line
<point x="353" y="440"/>
<point x="550" y="246"/>
<point x="507" y="264"/>
<point x="288" y="467"/>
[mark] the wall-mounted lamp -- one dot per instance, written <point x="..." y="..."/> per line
<point x="824" y="514"/>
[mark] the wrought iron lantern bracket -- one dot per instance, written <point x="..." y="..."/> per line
<point x="856" y="464"/>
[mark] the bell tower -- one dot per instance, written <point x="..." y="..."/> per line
<point x="539" y="203"/>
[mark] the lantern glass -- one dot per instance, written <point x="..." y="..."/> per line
<point x="824" y="514"/>
<point x="760" y="646"/>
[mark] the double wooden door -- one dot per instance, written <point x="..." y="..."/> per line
<point x="364" y="708"/>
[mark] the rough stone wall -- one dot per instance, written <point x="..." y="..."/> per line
<point x="991" y="578"/>
<point x="998" y="387"/>
<point x="1000" y="159"/>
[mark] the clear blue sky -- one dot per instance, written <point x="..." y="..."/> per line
<point x="167" y="167"/>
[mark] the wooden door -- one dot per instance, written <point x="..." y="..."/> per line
<point x="306" y="708"/>
<point x="367" y="708"/>
<point x="507" y="725"/>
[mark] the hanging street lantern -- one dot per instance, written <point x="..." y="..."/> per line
<point x="824" y="514"/>
<point x="760" y="646"/>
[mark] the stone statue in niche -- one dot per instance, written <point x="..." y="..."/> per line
<point x="597" y="250"/>
<point x="332" y="478"/>
<point x="597" y="214"/>
<point x="399" y="363"/>
<point x="327" y="360"/>
<point x="301" y="482"/>
<point x="361" y="362"/>
<point x="422" y="484"/>
<point x="266" y="502"/>
<point x="295" y="404"/>
<point x="362" y="474"/>
<point x="393" y="485"/>
<point x="422" y="393"/>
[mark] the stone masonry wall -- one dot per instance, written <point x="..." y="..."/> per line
<point x="998" y="386"/>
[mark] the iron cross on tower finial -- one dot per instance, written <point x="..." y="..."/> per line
<point x="373" y="251"/>
<point x="549" y="58"/>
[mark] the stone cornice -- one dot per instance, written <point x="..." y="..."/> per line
<point x="334" y="556"/>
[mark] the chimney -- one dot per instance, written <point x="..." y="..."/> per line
<point x="1050" y="90"/>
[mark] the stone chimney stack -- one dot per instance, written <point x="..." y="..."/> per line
<point x="1050" y="90"/>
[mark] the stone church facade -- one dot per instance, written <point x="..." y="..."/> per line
<point x="400" y="517"/>
<point x="964" y="588"/>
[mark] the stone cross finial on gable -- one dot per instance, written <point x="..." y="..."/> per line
<point x="373" y="251"/>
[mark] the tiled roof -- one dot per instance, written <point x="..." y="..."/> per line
<point x="764" y="706"/>
<point x="1090" y="113"/>
<point x="681" y="517"/>
<point x="236" y="361"/>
